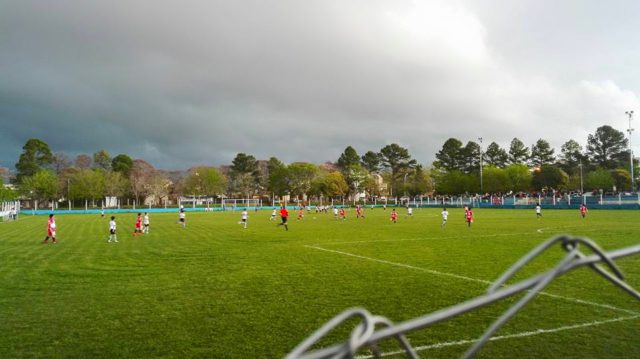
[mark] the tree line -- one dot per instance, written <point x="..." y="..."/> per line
<point x="44" y="175"/>
<point x="602" y="165"/>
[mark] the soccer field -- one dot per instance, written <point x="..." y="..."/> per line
<point x="215" y="289"/>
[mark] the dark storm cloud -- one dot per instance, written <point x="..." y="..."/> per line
<point x="195" y="82"/>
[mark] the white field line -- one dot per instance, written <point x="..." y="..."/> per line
<point x="450" y="237"/>
<point x="508" y="336"/>
<point x="470" y="279"/>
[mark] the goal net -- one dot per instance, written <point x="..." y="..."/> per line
<point x="240" y="203"/>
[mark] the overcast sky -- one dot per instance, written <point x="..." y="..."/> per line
<point x="181" y="83"/>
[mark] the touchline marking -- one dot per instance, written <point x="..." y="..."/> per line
<point x="507" y="336"/>
<point x="452" y="275"/>
<point x="451" y="237"/>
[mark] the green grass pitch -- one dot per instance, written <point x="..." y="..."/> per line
<point x="217" y="290"/>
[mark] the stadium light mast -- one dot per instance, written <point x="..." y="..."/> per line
<point x="480" y="140"/>
<point x="630" y="130"/>
<point x="581" y="183"/>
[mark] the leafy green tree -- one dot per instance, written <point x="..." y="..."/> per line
<point x="35" y="156"/>
<point x="245" y="177"/>
<point x="335" y="185"/>
<point x="299" y="177"/>
<point x="355" y="175"/>
<point x="456" y="182"/>
<point x="6" y="194"/>
<point x="371" y="161"/>
<point x="519" y="177"/>
<point x="277" y="182"/>
<point x="396" y="160"/>
<point x="549" y="177"/>
<point x="204" y="181"/>
<point x="607" y="147"/>
<point x="102" y="160"/>
<point x="122" y="163"/>
<point x="621" y="179"/>
<point x="542" y="154"/>
<point x="450" y="157"/>
<point x="598" y="179"/>
<point x="115" y="184"/>
<point x="495" y="179"/>
<point x="42" y="186"/>
<point x="571" y="155"/>
<point x="471" y="157"/>
<point x="87" y="184"/>
<point x="419" y="182"/>
<point x="518" y="152"/>
<point x="348" y="158"/>
<point x="496" y="156"/>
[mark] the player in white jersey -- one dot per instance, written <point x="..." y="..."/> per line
<point x="182" y="218"/>
<point x="445" y="215"/>
<point x="243" y="218"/>
<point x="112" y="230"/>
<point x="409" y="211"/>
<point x="335" y="212"/>
<point x="538" y="211"/>
<point x="274" y="213"/>
<point x="145" y="223"/>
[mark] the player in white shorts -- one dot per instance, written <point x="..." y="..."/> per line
<point x="243" y="218"/>
<point x="182" y="218"/>
<point x="273" y="214"/>
<point x="445" y="215"/>
<point x="112" y="230"/>
<point x="409" y="211"/>
<point x="145" y="223"/>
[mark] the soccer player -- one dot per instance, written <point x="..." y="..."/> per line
<point x="182" y="218"/>
<point x="102" y="213"/>
<point x="138" y="230"/>
<point x="466" y="209"/>
<point x="145" y="223"/>
<point x="583" y="210"/>
<point x="273" y="215"/>
<point x="300" y="214"/>
<point x="445" y="215"/>
<point x="343" y="214"/>
<point x="243" y="218"/>
<point x="469" y="217"/>
<point x="409" y="211"/>
<point x="51" y="230"/>
<point x="112" y="230"/>
<point x="359" y="212"/>
<point x="538" y="211"/>
<point x="284" y="215"/>
<point x="394" y="216"/>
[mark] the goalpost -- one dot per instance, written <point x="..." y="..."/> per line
<point x="9" y="210"/>
<point x="240" y="203"/>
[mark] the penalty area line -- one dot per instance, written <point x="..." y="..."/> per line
<point x="507" y="336"/>
<point x="470" y="279"/>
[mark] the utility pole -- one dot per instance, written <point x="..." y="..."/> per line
<point x="630" y="130"/>
<point x="481" y="164"/>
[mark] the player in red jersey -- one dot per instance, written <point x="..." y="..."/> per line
<point x="469" y="217"/>
<point x="343" y="214"/>
<point x="583" y="210"/>
<point x="51" y="230"/>
<point x="138" y="229"/>
<point x="359" y="212"/>
<point x="284" y="215"/>
<point x="301" y="214"/>
<point x="394" y="216"/>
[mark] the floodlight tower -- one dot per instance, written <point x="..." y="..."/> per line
<point x="480" y="140"/>
<point x="630" y="130"/>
